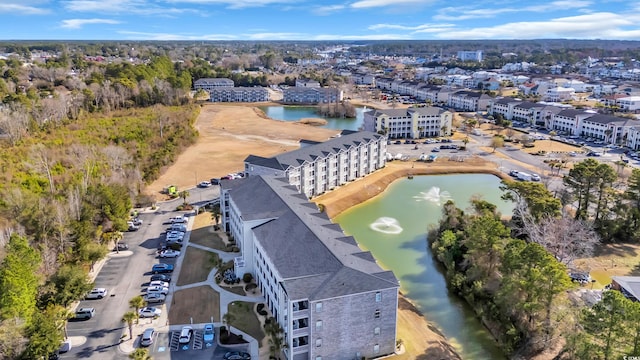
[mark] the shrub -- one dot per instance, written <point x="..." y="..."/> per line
<point x="247" y="277"/>
<point x="235" y="249"/>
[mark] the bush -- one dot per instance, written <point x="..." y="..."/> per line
<point x="235" y="249"/>
<point x="247" y="277"/>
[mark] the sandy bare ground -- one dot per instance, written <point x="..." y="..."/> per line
<point x="228" y="134"/>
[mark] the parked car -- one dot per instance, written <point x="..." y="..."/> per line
<point x="169" y="253"/>
<point x="159" y="283"/>
<point x="149" y="312"/>
<point x="208" y="333"/>
<point x="158" y="290"/>
<point x="177" y="227"/>
<point x="204" y="184"/>
<point x="215" y="181"/>
<point x="85" y="313"/>
<point x="161" y="277"/>
<point x="132" y="226"/>
<point x="237" y="355"/>
<point x="162" y="268"/>
<point x="178" y="219"/>
<point x="154" y="298"/>
<point x="185" y="335"/>
<point x="535" y="177"/>
<point x="121" y="247"/>
<point x="147" y="337"/>
<point x="136" y="221"/>
<point x="174" y="235"/>
<point x="65" y="347"/>
<point x="96" y="293"/>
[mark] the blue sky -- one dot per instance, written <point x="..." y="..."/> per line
<point x="317" y="19"/>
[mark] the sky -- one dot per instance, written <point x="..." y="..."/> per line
<point x="318" y="19"/>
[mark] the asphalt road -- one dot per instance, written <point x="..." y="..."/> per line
<point x="124" y="275"/>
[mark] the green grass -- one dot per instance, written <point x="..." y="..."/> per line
<point x="238" y="290"/>
<point x="245" y="319"/>
<point x="196" y="266"/>
<point x="205" y="236"/>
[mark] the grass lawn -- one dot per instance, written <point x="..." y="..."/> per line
<point x="203" y="233"/>
<point x="199" y="303"/>
<point x="238" y="290"/>
<point x="196" y="266"/>
<point x="245" y="319"/>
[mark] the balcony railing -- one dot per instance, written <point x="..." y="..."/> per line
<point x="300" y="349"/>
<point x="300" y="314"/>
<point x="300" y="332"/>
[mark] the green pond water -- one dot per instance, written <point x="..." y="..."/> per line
<point x="393" y="226"/>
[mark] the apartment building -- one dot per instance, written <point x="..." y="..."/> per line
<point x="364" y="79"/>
<point x="465" y="100"/>
<point x="629" y="103"/>
<point x="304" y="95"/>
<point x="411" y="123"/>
<point x="239" y="94"/>
<point x="470" y="55"/>
<point x="307" y="83"/>
<point x="519" y="110"/>
<point x="321" y="166"/>
<point x="209" y="84"/>
<point x="330" y="297"/>
<point x="559" y="94"/>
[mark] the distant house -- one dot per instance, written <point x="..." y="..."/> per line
<point x="629" y="286"/>
<point x="209" y="84"/>
<point x="307" y="83"/>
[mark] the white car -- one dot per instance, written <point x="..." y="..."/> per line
<point x="169" y="253"/>
<point x="162" y="290"/>
<point x="204" y="184"/>
<point x="97" y="293"/>
<point x="147" y="312"/>
<point x="175" y="238"/>
<point x="159" y="283"/>
<point x="185" y="335"/>
<point x="154" y="298"/>
<point x="535" y="177"/>
<point x="178" y="220"/>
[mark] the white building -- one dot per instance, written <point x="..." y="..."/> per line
<point x="559" y="94"/>
<point x="465" y="100"/>
<point x="470" y="55"/>
<point x="321" y="166"/>
<point x="209" y="84"/>
<point x="307" y="83"/>
<point x="331" y="298"/>
<point x="629" y="103"/>
<point x="239" y="94"/>
<point x="411" y="123"/>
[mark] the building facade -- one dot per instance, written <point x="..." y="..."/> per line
<point x="209" y="84"/>
<point x="302" y="95"/>
<point x="321" y="166"/>
<point x="331" y="298"/>
<point x="239" y="94"/>
<point x="465" y="100"/>
<point x="411" y="123"/>
<point x="470" y="55"/>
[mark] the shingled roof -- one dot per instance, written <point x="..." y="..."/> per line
<point x="312" y="255"/>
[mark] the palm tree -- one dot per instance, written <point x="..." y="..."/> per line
<point x="184" y="194"/>
<point x="215" y="213"/>
<point x="140" y="354"/>
<point x="129" y="317"/>
<point x="137" y="302"/>
<point x="465" y="141"/>
<point x="276" y="340"/>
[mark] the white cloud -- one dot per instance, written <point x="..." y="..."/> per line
<point x="235" y="4"/>
<point x="22" y="9"/>
<point x="137" y="35"/>
<point x="141" y="7"/>
<point x="381" y="3"/>
<point x="78" y="23"/>
<point x="467" y="12"/>
<point x="417" y="28"/>
<point x="326" y="10"/>
<point x="601" y="25"/>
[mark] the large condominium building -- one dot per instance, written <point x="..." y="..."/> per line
<point x="330" y="297"/>
<point x="465" y="100"/>
<point x="209" y="84"/>
<point x="320" y="166"/>
<point x="470" y="55"/>
<point x="409" y="123"/>
<point x="311" y="95"/>
<point x="239" y="94"/>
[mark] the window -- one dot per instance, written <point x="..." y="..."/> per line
<point x="318" y="342"/>
<point x="378" y="297"/>
<point x="318" y="357"/>
<point x="377" y="314"/>
<point x="319" y="325"/>
<point x="376" y="348"/>
<point x="319" y="307"/>
<point x="376" y="331"/>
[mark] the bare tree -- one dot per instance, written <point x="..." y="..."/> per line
<point x="41" y="160"/>
<point x="566" y="238"/>
<point x="118" y="159"/>
<point x="14" y="122"/>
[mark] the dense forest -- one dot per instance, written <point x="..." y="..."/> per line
<point x="514" y="273"/>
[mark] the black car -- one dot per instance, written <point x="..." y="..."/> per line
<point x="215" y="181"/>
<point x="161" y="277"/>
<point x="237" y="355"/>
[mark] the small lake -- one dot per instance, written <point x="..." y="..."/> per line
<point x="393" y="226"/>
<point x="295" y="113"/>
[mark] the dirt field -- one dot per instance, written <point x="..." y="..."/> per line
<point x="187" y="305"/>
<point x="228" y="134"/>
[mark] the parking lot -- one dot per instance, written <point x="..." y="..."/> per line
<point x="166" y="346"/>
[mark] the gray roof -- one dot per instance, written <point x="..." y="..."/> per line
<point x="529" y="105"/>
<point x="629" y="283"/>
<point x="572" y="113"/>
<point x="507" y="100"/>
<point x="311" y="254"/>
<point x="309" y="153"/>
<point x="608" y="119"/>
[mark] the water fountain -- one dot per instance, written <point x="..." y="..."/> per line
<point x="434" y="195"/>
<point x="386" y="225"/>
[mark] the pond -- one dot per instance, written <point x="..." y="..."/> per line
<point x="393" y="226"/>
<point x="295" y="113"/>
